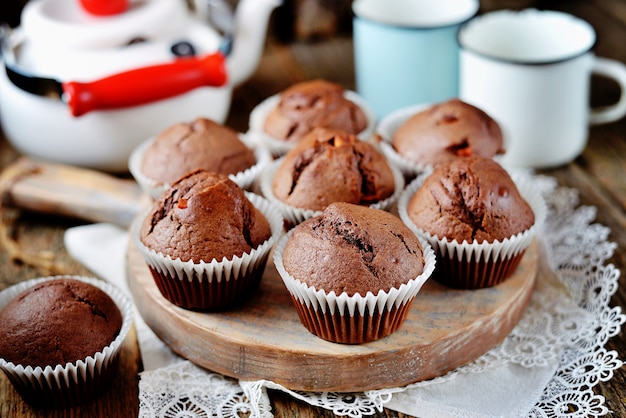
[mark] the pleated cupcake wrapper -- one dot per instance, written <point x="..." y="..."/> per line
<point x="294" y="215"/>
<point x="279" y="147"/>
<point x="473" y="265"/>
<point x="217" y="284"/>
<point x="352" y="319"/>
<point x="387" y="128"/>
<point x="244" y="179"/>
<point x="73" y="383"/>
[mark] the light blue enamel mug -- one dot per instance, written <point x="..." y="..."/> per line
<point x="406" y="52"/>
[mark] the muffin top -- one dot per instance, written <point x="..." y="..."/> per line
<point x="310" y="104"/>
<point x="470" y="199"/>
<point x="57" y="322"/>
<point x="446" y="131"/>
<point x="353" y="249"/>
<point x="204" y="216"/>
<point x="331" y="166"/>
<point x="200" y="144"/>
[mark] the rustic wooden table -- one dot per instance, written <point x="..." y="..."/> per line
<point x="598" y="175"/>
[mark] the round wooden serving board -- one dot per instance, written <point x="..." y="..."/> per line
<point x="264" y="339"/>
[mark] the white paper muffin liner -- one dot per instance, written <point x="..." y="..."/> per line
<point x="474" y="265"/>
<point x="279" y="147"/>
<point x="244" y="179"/>
<point x="352" y="319"/>
<point x="294" y="215"/>
<point x="214" y="285"/>
<point x="73" y="383"/>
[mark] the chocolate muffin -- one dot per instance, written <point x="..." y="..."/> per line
<point x="353" y="249"/>
<point x="447" y="131"/>
<point x="353" y="256"/>
<point x="58" y="322"/>
<point x="470" y="199"/>
<point x="311" y="104"/>
<point x="204" y="216"/>
<point x="200" y="144"/>
<point x="62" y="337"/>
<point x="331" y="166"/>
<point x="206" y="241"/>
<point x="477" y="218"/>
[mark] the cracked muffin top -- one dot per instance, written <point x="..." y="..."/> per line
<point x="470" y="199"/>
<point x="331" y="166"/>
<point x="353" y="249"/>
<point x="446" y="131"/>
<point x="310" y="104"/>
<point x="204" y="216"/>
<point x="57" y="322"/>
<point x="200" y="144"/>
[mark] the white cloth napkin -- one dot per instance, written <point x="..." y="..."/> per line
<point x="506" y="391"/>
<point x="509" y="391"/>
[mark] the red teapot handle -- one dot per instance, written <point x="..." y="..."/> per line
<point x="145" y="85"/>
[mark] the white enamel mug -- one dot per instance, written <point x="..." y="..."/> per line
<point x="531" y="71"/>
<point x="405" y="51"/>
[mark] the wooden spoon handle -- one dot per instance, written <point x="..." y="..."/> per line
<point x="71" y="191"/>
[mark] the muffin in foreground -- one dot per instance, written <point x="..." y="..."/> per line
<point x="353" y="272"/>
<point x="330" y="166"/>
<point x="420" y="137"/>
<point x="476" y="217"/>
<point x="206" y="241"/>
<point x="201" y="144"/>
<point x="282" y="120"/>
<point x="62" y="337"/>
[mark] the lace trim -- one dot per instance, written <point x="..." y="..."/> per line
<point x="184" y="390"/>
<point x="574" y="330"/>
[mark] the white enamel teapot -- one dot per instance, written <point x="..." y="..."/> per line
<point x="84" y="85"/>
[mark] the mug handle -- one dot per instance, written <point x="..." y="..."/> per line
<point x="617" y="71"/>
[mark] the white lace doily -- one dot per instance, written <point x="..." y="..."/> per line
<point x="566" y="326"/>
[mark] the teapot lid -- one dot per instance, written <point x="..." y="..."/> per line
<point x="63" y="23"/>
